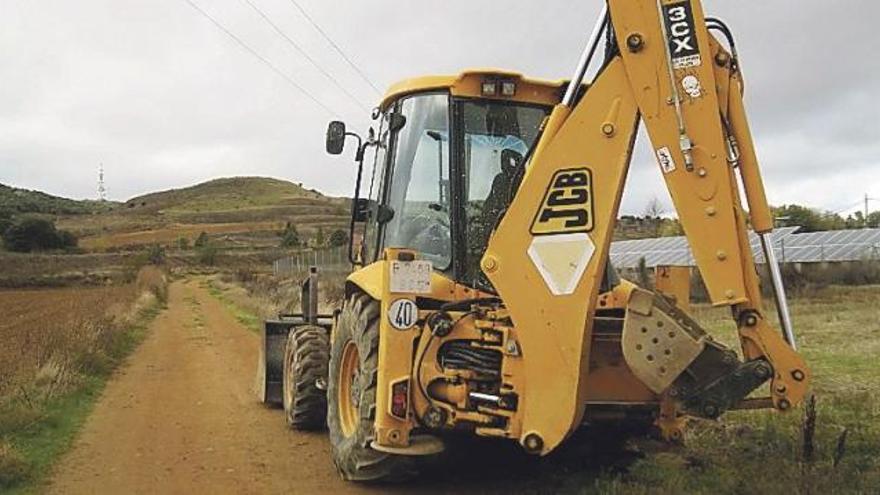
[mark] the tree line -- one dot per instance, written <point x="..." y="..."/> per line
<point x="813" y="220"/>
<point x="291" y="238"/>
<point x="654" y="221"/>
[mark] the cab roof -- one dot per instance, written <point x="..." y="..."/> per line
<point x="469" y="84"/>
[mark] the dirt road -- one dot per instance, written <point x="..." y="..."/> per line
<point x="180" y="417"/>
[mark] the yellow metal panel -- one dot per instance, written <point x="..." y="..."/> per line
<point x="393" y="345"/>
<point x="371" y="280"/>
<point x="554" y="329"/>
<point x="468" y="83"/>
<point x="759" y="210"/>
<point x="730" y="98"/>
<point x="704" y="197"/>
<point x="675" y="282"/>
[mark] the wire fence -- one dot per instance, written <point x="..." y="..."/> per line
<point x="333" y="260"/>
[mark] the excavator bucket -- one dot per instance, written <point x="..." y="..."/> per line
<point x="270" y="366"/>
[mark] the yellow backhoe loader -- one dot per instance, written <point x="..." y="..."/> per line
<point x="481" y="297"/>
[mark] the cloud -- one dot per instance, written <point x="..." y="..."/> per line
<point x="164" y="99"/>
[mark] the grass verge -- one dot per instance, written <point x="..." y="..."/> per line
<point x="769" y="452"/>
<point x="36" y="429"/>
<point x="244" y="315"/>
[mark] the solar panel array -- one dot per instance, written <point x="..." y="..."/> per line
<point x="663" y="251"/>
<point x="789" y="246"/>
<point x="779" y="236"/>
<point x="833" y="246"/>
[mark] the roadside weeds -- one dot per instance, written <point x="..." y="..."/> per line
<point x="42" y="413"/>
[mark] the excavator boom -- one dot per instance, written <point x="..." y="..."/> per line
<point x="667" y="71"/>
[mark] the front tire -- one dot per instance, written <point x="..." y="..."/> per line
<point x="351" y="393"/>
<point x="306" y="358"/>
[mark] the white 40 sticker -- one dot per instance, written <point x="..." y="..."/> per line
<point x="403" y="314"/>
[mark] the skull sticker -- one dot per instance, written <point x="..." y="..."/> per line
<point x="692" y="86"/>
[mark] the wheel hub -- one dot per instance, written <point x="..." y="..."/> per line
<point x="349" y="389"/>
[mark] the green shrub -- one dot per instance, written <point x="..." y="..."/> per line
<point x="31" y="233"/>
<point x="338" y="237"/>
<point x="290" y="236"/>
<point x="94" y="362"/>
<point x="207" y="255"/>
<point x="13" y="468"/>
<point x="201" y="240"/>
<point x="156" y="254"/>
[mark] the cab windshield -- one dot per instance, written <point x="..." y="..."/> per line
<point x="497" y="137"/>
<point x="479" y="165"/>
<point x="418" y="196"/>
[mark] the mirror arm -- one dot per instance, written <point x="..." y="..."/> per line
<point x="354" y="201"/>
<point x="359" y="154"/>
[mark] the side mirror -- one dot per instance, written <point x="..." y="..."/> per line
<point x="335" y="137"/>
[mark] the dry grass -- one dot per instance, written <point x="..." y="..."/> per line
<point x="249" y="310"/>
<point x="43" y="330"/>
<point x="271" y="295"/>
<point x="53" y="270"/>
<point x="151" y="279"/>
<point x="254" y="297"/>
<point x="170" y="234"/>
<point x="56" y="348"/>
<point x="47" y="335"/>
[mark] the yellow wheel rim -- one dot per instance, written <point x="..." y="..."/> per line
<point x="349" y="389"/>
<point x="288" y="382"/>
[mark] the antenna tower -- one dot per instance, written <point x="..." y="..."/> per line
<point x="102" y="190"/>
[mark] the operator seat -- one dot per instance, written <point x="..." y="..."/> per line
<point x="502" y="188"/>
<point x="504" y="185"/>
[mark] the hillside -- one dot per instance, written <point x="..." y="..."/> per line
<point x="236" y="211"/>
<point x="15" y="201"/>
<point x="231" y="193"/>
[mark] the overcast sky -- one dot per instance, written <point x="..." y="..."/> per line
<point x="163" y="98"/>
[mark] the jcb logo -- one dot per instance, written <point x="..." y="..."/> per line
<point x="683" y="47"/>
<point x="567" y="205"/>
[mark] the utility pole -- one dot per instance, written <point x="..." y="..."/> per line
<point x="865" y="221"/>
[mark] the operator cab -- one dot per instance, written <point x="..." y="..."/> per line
<point x="448" y="156"/>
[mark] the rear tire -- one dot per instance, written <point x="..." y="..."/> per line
<point x="351" y="393"/>
<point x="306" y="357"/>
